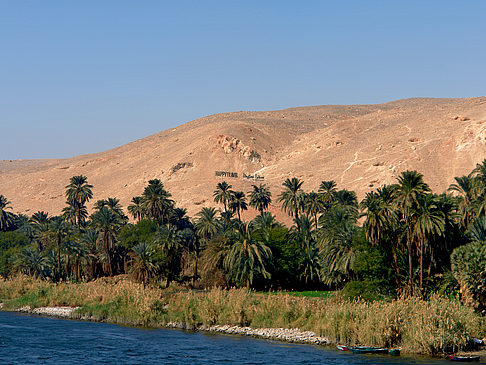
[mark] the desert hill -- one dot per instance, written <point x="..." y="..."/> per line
<point x="359" y="146"/>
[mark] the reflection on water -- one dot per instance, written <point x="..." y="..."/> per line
<point x="32" y="340"/>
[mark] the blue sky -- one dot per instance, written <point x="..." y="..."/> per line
<point x="84" y="76"/>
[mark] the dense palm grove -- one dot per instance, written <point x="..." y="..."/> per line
<point x="400" y="239"/>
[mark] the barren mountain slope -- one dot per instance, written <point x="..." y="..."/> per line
<point x="359" y="146"/>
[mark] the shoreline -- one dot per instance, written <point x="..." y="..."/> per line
<point x="291" y="335"/>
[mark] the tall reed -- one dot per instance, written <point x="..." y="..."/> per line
<point x="429" y="326"/>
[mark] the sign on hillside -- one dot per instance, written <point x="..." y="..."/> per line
<point x="227" y="174"/>
<point x="234" y="175"/>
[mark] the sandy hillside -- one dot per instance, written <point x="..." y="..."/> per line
<point x="359" y="146"/>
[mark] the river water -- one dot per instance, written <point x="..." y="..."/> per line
<point x="38" y="340"/>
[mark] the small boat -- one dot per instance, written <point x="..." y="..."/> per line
<point x="463" y="358"/>
<point x="342" y="347"/>
<point x="394" y="352"/>
<point x="478" y="341"/>
<point x="368" y="350"/>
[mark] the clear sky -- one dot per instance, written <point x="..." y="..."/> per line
<point x="84" y="76"/>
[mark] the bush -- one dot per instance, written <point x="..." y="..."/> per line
<point x="469" y="268"/>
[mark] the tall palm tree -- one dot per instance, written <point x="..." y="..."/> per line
<point x="90" y="240"/>
<point x="169" y="239"/>
<point x="335" y="243"/>
<point x="310" y="268"/>
<point x="291" y="196"/>
<point x="380" y="215"/>
<point x="411" y="187"/>
<point x="302" y="231"/>
<point x="156" y="201"/>
<point x="466" y="188"/>
<point x="59" y="230"/>
<point x="108" y="224"/>
<point x="136" y="209"/>
<point x="260" y="197"/>
<point x="78" y="193"/>
<point x="6" y="217"/>
<point x="313" y="205"/>
<point x="429" y="221"/>
<point x="222" y="194"/>
<point x="247" y="257"/>
<point x="237" y="202"/>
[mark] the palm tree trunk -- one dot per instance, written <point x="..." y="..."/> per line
<point x="67" y="267"/>
<point x="59" y="258"/>
<point x="409" y="246"/>
<point x="421" y="264"/>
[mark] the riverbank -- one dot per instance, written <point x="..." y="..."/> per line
<point x="294" y="335"/>
<point x="435" y="326"/>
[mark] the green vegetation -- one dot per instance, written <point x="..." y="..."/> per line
<point x="400" y="241"/>
<point x="429" y="326"/>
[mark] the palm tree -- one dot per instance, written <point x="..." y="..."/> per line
<point x="59" y="230"/>
<point x="6" y="218"/>
<point x="222" y="194"/>
<point x="169" y="239"/>
<point x="136" y="209"/>
<point x="156" y="201"/>
<point x="180" y="219"/>
<point x="302" y="231"/>
<point x="78" y="193"/>
<point x="90" y="240"/>
<point x="310" y="268"/>
<point x="429" y="221"/>
<point x="31" y="260"/>
<point x="39" y="218"/>
<point x="116" y="207"/>
<point x="313" y="205"/>
<point x="247" y="257"/>
<point x="260" y="197"/>
<point x="335" y="243"/>
<point x="380" y="216"/>
<point x="22" y="222"/>
<point x="108" y="224"/>
<point x="466" y="188"/>
<point x="40" y="223"/>
<point x="264" y="221"/>
<point x="327" y="190"/>
<point x="409" y="190"/>
<point x="291" y="196"/>
<point x="143" y="267"/>
<point x="70" y="213"/>
<point x="347" y="200"/>
<point x="207" y="224"/>
<point x="237" y="202"/>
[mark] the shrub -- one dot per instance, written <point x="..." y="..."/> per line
<point x="469" y="268"/>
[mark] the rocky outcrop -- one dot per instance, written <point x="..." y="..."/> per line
<point x="232" y="144"/>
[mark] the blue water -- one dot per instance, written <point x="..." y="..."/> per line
<point x="38" y="340"/>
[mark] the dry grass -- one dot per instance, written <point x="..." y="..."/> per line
<point x="434" y="326"/>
